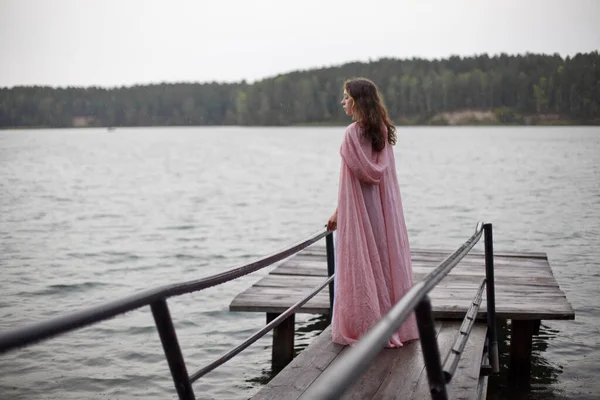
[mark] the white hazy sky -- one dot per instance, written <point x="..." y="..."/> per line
<point x="124" y="42"/>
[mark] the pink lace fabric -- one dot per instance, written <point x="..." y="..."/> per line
<point x="373" y="262"/>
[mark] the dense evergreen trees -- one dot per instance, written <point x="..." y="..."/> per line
<point x="415" y="91"/>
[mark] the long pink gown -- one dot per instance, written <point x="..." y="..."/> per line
<point x="373" y="263"/>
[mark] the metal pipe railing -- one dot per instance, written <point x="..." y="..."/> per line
<point x="19" y="337"/>
<point x="168" y="338"/>
<point x="345" y="370"/>
<point x="455" y="353"/>
<point x="228" y="356"/>
<point x="156" y="298"/>
<point x="350" y="365"/>
<point x="430" y="349"/>
<point x="491" y="298"/>
<point x="330" y="270"/>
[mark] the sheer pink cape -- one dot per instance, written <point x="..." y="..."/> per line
<point x="373" y="263"/>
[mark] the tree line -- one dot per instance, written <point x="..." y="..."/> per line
<point x="415" y="91"/>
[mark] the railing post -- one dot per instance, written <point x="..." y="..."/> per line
<point x="491" y="297"/>
<point x="168" y="337"/>
<point x="431" y="351"/>
<point x="330" y="269"/>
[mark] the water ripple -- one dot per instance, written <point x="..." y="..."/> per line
<point x="108" y="215"/>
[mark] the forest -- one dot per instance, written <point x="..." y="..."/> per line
<point x="499" y="89"/>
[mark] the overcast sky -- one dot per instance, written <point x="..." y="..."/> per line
<point x="124" y="42"/>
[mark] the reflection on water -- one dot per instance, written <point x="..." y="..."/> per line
<point x="315" y="323"/>
<point x="543" y="373"/>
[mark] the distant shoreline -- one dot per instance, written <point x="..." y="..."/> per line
<point x="498" y="117"/>
<point x="466" y="117"/>
<point x="310" y="125"/>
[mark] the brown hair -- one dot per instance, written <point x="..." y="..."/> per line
<point x="370" y="112"/>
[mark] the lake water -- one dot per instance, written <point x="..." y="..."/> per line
<point x="90" y="215"/>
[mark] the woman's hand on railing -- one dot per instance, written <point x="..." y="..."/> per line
<point x="332" y="223"/>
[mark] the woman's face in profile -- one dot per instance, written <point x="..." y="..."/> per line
<point x="347" y="103"/>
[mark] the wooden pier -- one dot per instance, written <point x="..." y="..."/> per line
<point x="526" y="293"/>
<point x="455" y="354"/>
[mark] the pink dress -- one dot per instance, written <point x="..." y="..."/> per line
<point x="373" y="263"/>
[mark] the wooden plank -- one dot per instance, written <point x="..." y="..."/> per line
<point x="285" y="269"/>
<point x="434" y="259"/>
<point x="408" y="358"/>
<point x="420" y="272"/>
<point x="513" y="313"/>
<point x="440" y="256"/>
<point x="452" y="281"/>
<point x="446" y="339"/>
<point x="452" y="310"/>
<point x="523" y="286"/>
<point x="538" y="266"/>
<point x="474" y="261"/>
<point x="402" y="380"/>
<point x="250" y="305"/>
<point x="466" y="379"/>
<point x="483" y="380"/>
<point x="441" y="307"/>
<point x="276" y="290"/>
<point x="320" y="249"/>
<point x="287" y="296"/>
<point x="502" y="291"/>
<point x="499" y="275"/>
<point x="303" y="370"/>
<point x="446" y="295"/>
<point x="504" y="294"/>
<point x="476" y="252"/>
<point x="280" y="292"/>
<point x="394" y="374"/>
<point x="308" y="282"/>
<point x="534" y="264"/>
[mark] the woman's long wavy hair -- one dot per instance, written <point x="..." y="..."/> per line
<point x="370" y="112"/>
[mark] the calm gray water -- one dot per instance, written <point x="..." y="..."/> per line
<point x="90" y="215"/>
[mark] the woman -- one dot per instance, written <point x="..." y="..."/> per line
<point x="373" y="264"/>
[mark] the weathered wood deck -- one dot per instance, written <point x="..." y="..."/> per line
<point x="525" y="289"/>
<point x="393" y="374"/>
<point x="525" y="286"/>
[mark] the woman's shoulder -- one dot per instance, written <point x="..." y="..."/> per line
<point x="352" y="128"/>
